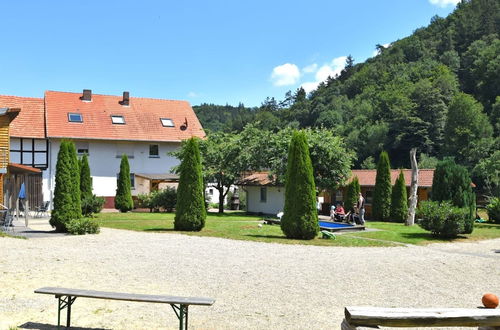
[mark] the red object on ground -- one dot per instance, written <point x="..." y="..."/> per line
<point x="490" y="300"/>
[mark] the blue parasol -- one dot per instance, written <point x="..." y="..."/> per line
<point x="22" y="192"/>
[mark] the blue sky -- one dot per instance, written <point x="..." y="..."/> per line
<point x="201" y="51"/>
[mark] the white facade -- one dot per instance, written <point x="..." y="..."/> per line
<point x="265" y="199"/>
<point x="212" y="194"/>
<point x="104" y="161"/>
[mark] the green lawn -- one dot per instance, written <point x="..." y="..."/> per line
<point x="238" y="225"/>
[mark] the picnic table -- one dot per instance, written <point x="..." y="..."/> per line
<point x="66" y="297"/>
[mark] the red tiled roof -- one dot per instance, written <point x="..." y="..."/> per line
<point x="256" y="179"/>
<point x="30" y="122"/>
<point x="367" y="177"/>
<point x="142" y="118"/>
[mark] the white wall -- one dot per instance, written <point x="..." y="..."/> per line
<point x="274" y="203"/>
<point x="214" y="196"/>
<point x="104" y="162"/>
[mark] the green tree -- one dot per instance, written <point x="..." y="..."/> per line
<point x="300" y="218"/>
<point x="65" y="208"/>
<point x="466" y="125"/>
<point x="383" y="189"/>
<point x="85" y="178"/>
<point x="190" y="212"/>
<point x="352" y="195"/>
<point x="399" y="200"/>
<point x="123" y="198"/>
<point x="75" y="180"/>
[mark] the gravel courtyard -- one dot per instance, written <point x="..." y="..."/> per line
<point x="256" y="285"/>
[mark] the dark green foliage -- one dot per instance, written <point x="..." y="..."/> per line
<point x="83" y="226"/>
<point x="352" y="195"/>
<point x="85" y="178"/>
<point x="66" y="207"/>
<point x="493" y="209"/>
<point x="444" y="220"/>
<point x="399" y="200"/>
<point x="123" y="198"/>
<point x="190" y="212"/>
<point x="92" y="205"/>
<point x="300" y="218"/>
<point x="381" y="209"/>
<point x="164" y="199"/>
<point x="451" y="182"/>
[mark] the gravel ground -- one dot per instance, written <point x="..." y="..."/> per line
<point x="256" y="285"/>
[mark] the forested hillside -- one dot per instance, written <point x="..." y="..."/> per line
<point x="437" y="90"/>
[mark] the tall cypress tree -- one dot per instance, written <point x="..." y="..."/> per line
<point x="123" y="198"/>
<point x="300" y="218"/>
<point x="85" y="178"/>
<point x="399" y="200"/>
<point x="383" y="189"/>
<point x="63" y="192"/>
<point x="353" y="190"/>
<point x="75" y="181"/>
<point x="190" y="212"/>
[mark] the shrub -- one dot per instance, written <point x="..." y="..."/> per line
<point x="91" y="205"/>
<point x="381" y="208"/>
<point x="300" y="218"/>
<point x="493" y="209"/>
<point x="399" y="200"/>
<point x="165" y="198"/>
<point x="85" y="178"/>
<point x="352" y="196"/>
<point x="190" y="211"/>
<point x="123" y="198"/>
<point x="444" y="220"/>
<point x="83" y="226"/>
<point x="145" y="201"/>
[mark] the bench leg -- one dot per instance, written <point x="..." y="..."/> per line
<point x="182" y="314"/>
<point x="64" y="302"/>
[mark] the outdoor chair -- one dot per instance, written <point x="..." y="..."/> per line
<point x="7" y="221"/>
<point x="41" y="210"/>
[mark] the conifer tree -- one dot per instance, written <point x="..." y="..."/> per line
<point x="300" y="218"/>
<point x="75" y="181"/>
<point x="353" y="190"/>
<point x="190" y="212"/>
<point x="382" y="195"/>
<point x="63" y="201"/>
<point x="399" y="200"/>
<point x="85" y="178"/>
<point x="123" y="198"/>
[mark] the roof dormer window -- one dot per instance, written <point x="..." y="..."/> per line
<point x="75" y="117"/>
<point x="115" y="119"/>
<point x="167" y="122"/>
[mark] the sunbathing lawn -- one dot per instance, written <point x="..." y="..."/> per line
<point x="238" y="225"/>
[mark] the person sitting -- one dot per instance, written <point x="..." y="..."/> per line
<point x="340" y="212"/>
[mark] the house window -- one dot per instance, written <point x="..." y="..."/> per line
<point x="263" y="195"/>
<point x="369" y="197"/>
<point x="115" y="119"/>
<point x="75" y="117"/>
<point x="211" y="191"/>
<point x="167" y="122"/>
<point x="82" y="148"/>
<point x="339" y="196"/>
<point x="154" y="151"/>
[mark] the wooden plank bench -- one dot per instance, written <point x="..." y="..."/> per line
<point x="359" y="317"/>
<point x="66" y="297"/>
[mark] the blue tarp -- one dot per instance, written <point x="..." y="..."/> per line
<point x="22" y="192"/>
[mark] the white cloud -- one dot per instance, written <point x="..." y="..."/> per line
<point x="309" y="86"/>
<point x="327" y="70"/>
<point x="444" y="3"/>
<point x="310" y="68"/>
<point x="376" y="52"/>
<point x="286" y="74"/>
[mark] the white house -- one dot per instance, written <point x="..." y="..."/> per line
<point x="105" y="127"/>
<point x="262" y="194"/>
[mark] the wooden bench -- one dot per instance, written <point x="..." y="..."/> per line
<point x="66" y="297"/>
<point x="359" y="317"/>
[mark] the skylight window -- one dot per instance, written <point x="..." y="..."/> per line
<point x="167" y="122"/>
<point x="117" y="120"/>
<point x="75" y="117"/>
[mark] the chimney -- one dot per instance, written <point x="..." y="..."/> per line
<point x="87" y="95"/>
<point x="126" y="99"/>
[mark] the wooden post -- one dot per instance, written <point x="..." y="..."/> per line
<point x="410" y="220"/>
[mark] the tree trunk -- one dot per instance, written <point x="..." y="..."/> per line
<point x="410" y="221"/>
<point x="221" y="199"/>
